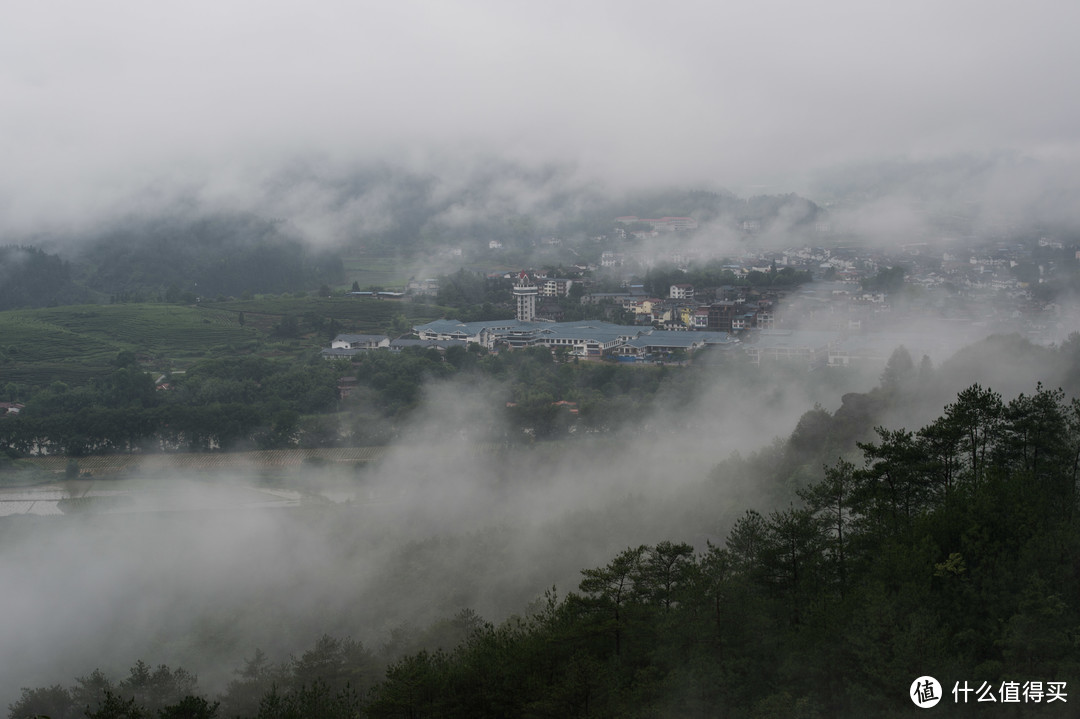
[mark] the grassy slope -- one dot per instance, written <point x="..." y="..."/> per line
<point x="74" y="344"/>
<point x="382" y="272"/>
<point x="360" y="315"/>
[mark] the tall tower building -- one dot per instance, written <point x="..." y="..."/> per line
<point x="525" y="293"/>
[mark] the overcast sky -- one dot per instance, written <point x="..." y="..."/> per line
<point x="103" y="101"/>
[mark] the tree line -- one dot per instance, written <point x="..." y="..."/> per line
<point x="259" y="403"/>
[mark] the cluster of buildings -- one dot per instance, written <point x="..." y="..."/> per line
<point x="675" y="327"/>
<point x="953" y="294"/>
<point x="585" y="338"/>
<point x="682" y="310"/>
<point x="591" y="339"/>
<point x="698" y="329"/>
<point x="660" y="224"/>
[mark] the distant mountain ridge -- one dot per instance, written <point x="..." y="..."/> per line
<point x="294" y="236"/>
<point x="30" y="277"/>
<point x="167" y="259"/>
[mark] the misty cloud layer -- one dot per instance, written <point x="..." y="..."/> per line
<point x="121" y="105"/>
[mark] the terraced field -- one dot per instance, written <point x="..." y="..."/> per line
<point x="74" y="344"/>
<point x="29" y="337"/>
<point x="37" y="373"/>
<point x="359" y="314"/>
<point x="142" y="327"/>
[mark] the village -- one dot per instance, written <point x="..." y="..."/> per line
<point x="822" y="307"/>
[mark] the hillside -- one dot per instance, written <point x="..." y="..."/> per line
<point x="74" y="344"/>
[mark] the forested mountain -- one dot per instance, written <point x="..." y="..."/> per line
<point x="30" y="277"/>
<point x="518" y="208"/>
<point x="392" y="209"/>
<point x="167" y="259"/>
<point x="204" y="255"/>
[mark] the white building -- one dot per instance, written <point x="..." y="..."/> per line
<point x="360" y="342"/>
<point x="555" y="287"/>
<point x="346" y="346"/>
<point x="681" y="292"/>
<point x="525" y="293"/>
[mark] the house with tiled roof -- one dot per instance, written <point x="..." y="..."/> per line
<point x="10" y="408"/>
<point x="360" y="342"/>
<point x="345" y="346"/>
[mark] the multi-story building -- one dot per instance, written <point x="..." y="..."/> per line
<point x="681" y="292"/>
<point x="525" y="293"/>
<point x="701" y="318"/>
<point x="555" y="287"/>
<point x="721" y="314"/>
<point x="744" y="321"/>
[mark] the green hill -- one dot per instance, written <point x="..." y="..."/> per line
<point x="76" y="343"/>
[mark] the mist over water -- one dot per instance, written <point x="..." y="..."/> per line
<point x="188" y="571"/>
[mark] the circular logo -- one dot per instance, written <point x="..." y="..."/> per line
<point x="925" y="692"/>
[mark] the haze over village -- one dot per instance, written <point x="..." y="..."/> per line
<point x="860" y="306"/>
<point x="557" y="360"/>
